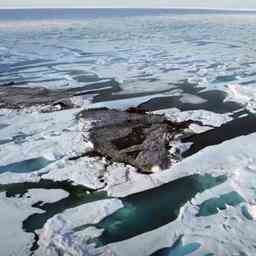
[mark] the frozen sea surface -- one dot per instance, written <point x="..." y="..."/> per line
<point x="142" y="50"/>
<point x="186" y="64"/>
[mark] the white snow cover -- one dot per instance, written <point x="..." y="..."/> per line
<point x="50" y="135"/>
<point x="192" y="99"/>
<point x="58" y="237"/>
<point x="85" y="171"/>
<point x="124" y="180"/>
<point x="45" y="195"/>
<point x="246" y="95"/>
<point x="54" y="136"/>
<point x="13" y="240"/>
<point x="207" y="118"/>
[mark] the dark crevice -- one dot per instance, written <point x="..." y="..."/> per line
<point x="35" y="244"/>
<point x="230" y="130"/>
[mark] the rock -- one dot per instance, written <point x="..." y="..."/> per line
<point x="132" y="137"/>
<point x="24" y="97"/>
<point x="136" y="110"/>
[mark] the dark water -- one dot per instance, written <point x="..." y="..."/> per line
<point x="230" y="130"/>
<point x="214" y="100"/>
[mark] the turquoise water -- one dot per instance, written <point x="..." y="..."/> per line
<point x="154" y="208"/>
<point x="213" y="205"/>
<point x="29" y="165"/>
<point x="178" y="249"/>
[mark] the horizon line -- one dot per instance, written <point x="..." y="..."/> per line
<point x="121" y="7"/>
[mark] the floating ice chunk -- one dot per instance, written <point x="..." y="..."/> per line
<point x="13" y="240"/>
<point x="250" y="211"/>
<point x="124" y="180"/>
<point x="58" y="239"/>
<point x="192" y="99"/>
<point x="45" y="195"/>
<point x="58" y="236"/>
<point x="84" y="171"/>
<point x="207" y="118"/>
<point x="246" y="95"/>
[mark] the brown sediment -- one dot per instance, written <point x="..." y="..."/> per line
<point x="14" y="97"/>
<point x="133" y="137"/>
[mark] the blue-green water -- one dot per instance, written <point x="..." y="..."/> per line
<point x="29" y="165"/>
<point x="154" y="208"/>
<point x="213" y="205"/>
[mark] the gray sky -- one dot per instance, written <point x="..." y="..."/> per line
<point x="223" y="4"/>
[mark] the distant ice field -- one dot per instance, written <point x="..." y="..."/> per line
<point x="141" y="50"/>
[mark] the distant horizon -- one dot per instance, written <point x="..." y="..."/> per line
<point x="130" y="8"/>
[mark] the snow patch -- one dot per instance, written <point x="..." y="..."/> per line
<point x="245" y="95"/>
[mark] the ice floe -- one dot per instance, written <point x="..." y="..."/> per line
<point x="14" y="211"/>
<point x="58" y="235"/>
<point x="207" y="118"/>
<point x="243" y="94"/>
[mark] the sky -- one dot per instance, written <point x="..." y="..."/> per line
<point x="220" y="4"/>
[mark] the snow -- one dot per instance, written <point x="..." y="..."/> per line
<point x="58" y="236"/>
<point x="55" y="137"/>
<point x="12" y="216"/>
<point x="125" y="103"/>
<point x="45" y="195"/>
<point x="243" y="94"/>
<point x="192" y="99"/>
<point x="13" y="240"/>
<point x="58" y="239"/>
<point x="124" y="180"/>
<point x="207" y="118"/>
<point x="252" y="211"/>
<point x="91" y="213"/>
<point x="54" y="134"/>
<point x="85" y="171"/>
<point x="234" y="158"/>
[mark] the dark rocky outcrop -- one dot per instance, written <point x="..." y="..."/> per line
<point x="14" y="97"/>
<point x="133" y="137"/>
